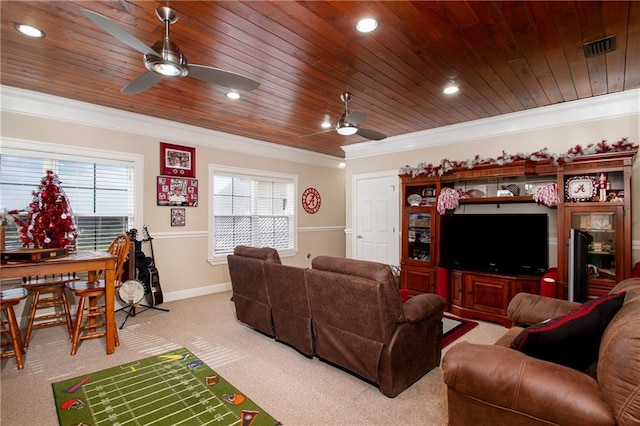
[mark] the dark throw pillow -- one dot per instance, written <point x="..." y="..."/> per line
<point x="573" y="339"/>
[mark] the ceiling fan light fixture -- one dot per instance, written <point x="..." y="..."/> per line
<point x="233" y="95"/>
<point x="451" y="89"/>
<point x="366" y="25"/>
<point x="347" y="129"/>
<point x="170" y="63"/>
<point x="29" y="31"/>
<point x="167" y="69"/>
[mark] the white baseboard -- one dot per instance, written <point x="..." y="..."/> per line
<point x="194" y="292"/>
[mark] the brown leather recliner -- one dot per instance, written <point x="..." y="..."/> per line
<point x="497" y="385"/>
<point x="250" y="294"/>
<point x="361" y="324"/>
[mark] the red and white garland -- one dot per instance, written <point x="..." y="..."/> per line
<point x="447" y="165"/>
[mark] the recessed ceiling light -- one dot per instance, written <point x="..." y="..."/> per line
<point x="451" y="89"/>
<point x="366" y="25"/>
<point x="233" y="95"/>
<point x="326" y="123"/>
<point x="28" y="30"/>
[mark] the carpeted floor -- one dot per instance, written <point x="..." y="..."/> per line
<point x="292" y="388"/>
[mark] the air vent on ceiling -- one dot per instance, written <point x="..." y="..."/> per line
<point x="600" y="47"/>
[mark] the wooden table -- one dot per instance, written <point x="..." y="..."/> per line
<point x="92" y="262"/>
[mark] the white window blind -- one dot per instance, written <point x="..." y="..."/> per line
<point x="253" y="208"/>
<point x="101" y="194"/>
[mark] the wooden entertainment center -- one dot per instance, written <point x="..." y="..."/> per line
<point x="605" y="215"/>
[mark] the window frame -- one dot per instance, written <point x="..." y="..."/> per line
<point x="221" y="259"/>
<point x="39" y="149"/>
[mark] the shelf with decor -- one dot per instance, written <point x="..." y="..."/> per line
<point x="500" y="184"/>
<point x="498" y="200"/>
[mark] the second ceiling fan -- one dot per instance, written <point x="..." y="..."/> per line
<point x="349" y="123"/>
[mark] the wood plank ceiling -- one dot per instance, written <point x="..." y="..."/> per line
<point x="505" y="57"/>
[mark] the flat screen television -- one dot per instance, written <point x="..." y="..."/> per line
<point x="502" y="243"/>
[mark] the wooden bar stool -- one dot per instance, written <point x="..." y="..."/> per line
<point x="48" y="294"/>
<point x="91" y="316"/>
<point x="9" y="299"/>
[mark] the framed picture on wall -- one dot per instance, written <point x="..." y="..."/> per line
<point x="178" y="216"/>
<point x="176" y="160"/>
<point x="177" y="191"/>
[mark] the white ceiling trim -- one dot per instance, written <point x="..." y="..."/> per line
<point x="597" y="108"/>
<point x="37" y="104"/>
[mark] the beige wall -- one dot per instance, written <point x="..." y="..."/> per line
<point x="181" y="253"/>
<point x="558" y="139"/>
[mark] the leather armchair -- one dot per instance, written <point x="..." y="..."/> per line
<point x="495" y="385"/>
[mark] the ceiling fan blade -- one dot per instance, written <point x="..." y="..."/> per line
<point x="222" y="78"/>
<point x="370" y="134"/>
<point x="317" y="133"/>
<point x="141" y="83"/>
<point x="355" y="117"/>
<point x="118" y="32"/>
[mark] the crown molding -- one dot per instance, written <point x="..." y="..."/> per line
<point x="37" y="104"/>
<point x="584" y="110"/>
<point x="41" y="105"/>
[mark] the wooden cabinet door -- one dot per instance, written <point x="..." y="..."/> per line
<point x="419" y="280"/>
<point x="457" y="286"/>
<point x="528" y="285"/>
<point x="485" y="293"/>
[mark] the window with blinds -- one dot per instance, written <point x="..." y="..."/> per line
<point x="101" y="194"/>
<point x="252" y="208"/>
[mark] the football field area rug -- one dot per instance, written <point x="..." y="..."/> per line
<point x="173" y="388"/>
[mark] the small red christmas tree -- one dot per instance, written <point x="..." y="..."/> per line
<point x="50" y="223"/>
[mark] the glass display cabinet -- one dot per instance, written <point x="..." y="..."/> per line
<point x="419" y="234"/>
<point x="595" y="197"/>
<point x="419" y="237"/>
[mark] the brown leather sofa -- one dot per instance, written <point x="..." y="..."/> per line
<point x="349" y="313"/>
<point x="497" y="385"/>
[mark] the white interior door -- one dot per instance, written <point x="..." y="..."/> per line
<point x="375" y="217"/>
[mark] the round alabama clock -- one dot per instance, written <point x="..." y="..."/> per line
<point x="311" y="200"/>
